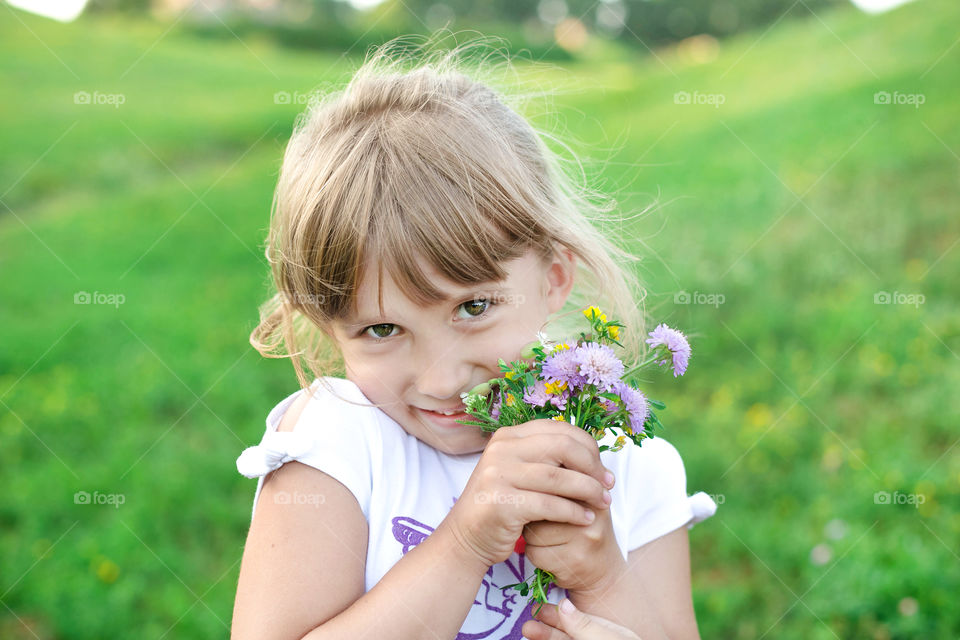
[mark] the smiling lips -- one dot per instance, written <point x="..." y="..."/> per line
<point x="447" y="412"/>
<point x="448" y="420"/>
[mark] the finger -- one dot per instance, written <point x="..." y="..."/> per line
<point x="548" y="614"/>
<point x="566" y="483"/>
<point x="546" y="506"/>
<point x="583" y="626"/>
<point x="538" y="631"/>
<point x="554" y="427"/>
<point x="565" y="451"/>
<point x="559" y="431"/>
<point x="544" y="533"/>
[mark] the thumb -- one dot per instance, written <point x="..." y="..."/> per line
<point x="580" y="625"/>
<point x="575" y="623"/>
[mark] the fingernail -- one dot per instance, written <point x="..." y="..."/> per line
<point x="567" y="606"/>
<point x="608" y="479"/>
<point x="607" y="497"/>
<point x="589" y="515"/>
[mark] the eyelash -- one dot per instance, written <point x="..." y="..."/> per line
<point x="490" y="304"/>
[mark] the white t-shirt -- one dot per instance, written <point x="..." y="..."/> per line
<point x="405" y="488"/>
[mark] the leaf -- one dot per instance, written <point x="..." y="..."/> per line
<point x="656" y="404"/>
<point x="475" y="423"/>
<point x="654" y="419"/>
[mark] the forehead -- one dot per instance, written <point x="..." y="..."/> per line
<point x="517" y="271"/>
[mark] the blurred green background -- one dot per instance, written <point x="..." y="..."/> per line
<point x="806" y="166"/>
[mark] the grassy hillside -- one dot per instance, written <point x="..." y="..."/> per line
<point x="790" y="202"/>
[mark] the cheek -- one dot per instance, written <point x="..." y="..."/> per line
<point x="504" y="343"/>
<point x="379" y="376"/>
<point x="363" y="372"/>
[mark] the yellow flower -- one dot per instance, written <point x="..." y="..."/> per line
<point x="555" y="388"/>
<point x="510" y="399"/>
<point x="560" y="346"/>
<point x="618" y="444"/>
<point x="510" y="375"/>
<point x="614" y="332"/>
<point x="590" y="311"/>
<point x="557" y="417"/>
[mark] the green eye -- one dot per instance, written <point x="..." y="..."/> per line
<point x="475" y="308"/>
<point x="479" y="306"/>
<point x="376" y="334"/>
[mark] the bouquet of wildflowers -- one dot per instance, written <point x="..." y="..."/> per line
<point x="584" y="384"/>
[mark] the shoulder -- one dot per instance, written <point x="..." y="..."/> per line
<point x="656" y="463"/>
<point x="292" y="414"/>
<point x="335" y="396"/>
<point x="656" y="456"/>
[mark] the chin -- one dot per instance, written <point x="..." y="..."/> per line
<point x="452" y="447"/>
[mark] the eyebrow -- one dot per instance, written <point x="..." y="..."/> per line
<point x="482" y="287"/>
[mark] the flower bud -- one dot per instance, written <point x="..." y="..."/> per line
<point x="481" y="389"/>
<point x="527" y="352"/>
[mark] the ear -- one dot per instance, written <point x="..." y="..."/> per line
<point x="560" y="275"/>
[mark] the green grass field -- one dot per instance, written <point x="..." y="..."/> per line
<point x="785" y="212"/>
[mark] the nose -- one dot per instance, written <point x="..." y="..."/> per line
<point x="442" y="372"/>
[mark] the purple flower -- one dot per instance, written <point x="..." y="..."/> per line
<point x="562" y="366"/>
<point x="599" y="365"/>
<point x="611" y="406"/>
<point x="495" y="407"/>
<point x="636" y="404"/>
<point x="560" y="401"/>
<point x="537" y="396"/>
<point x="676" y="343"/>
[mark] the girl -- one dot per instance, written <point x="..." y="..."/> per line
<point x="422" y="231"/>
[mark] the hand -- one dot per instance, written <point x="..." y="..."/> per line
<point x="553" y="623"/>
<point x="538" y="470"/>
<point x="581" y="558"/>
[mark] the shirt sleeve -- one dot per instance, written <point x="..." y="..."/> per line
<point x="656" y="483"/>
<point x="331" y="434"/>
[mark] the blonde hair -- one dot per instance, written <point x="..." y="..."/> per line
<point x="426" y="159"/>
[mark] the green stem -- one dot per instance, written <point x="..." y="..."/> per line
<point x="633" y="370"/>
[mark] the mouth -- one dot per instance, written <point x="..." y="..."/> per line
<point x="447" y="419"/>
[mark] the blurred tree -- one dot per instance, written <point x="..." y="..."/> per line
<point x="336" y="24"/>
<point x="652" y="21"/>
<point x="661" y="21"/>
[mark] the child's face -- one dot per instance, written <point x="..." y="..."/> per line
<point x="428" y="356"/>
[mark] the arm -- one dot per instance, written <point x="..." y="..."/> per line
<point x="427" y="594"/>
<point x="302" y="574"/>
<point x="651" y="594"/>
